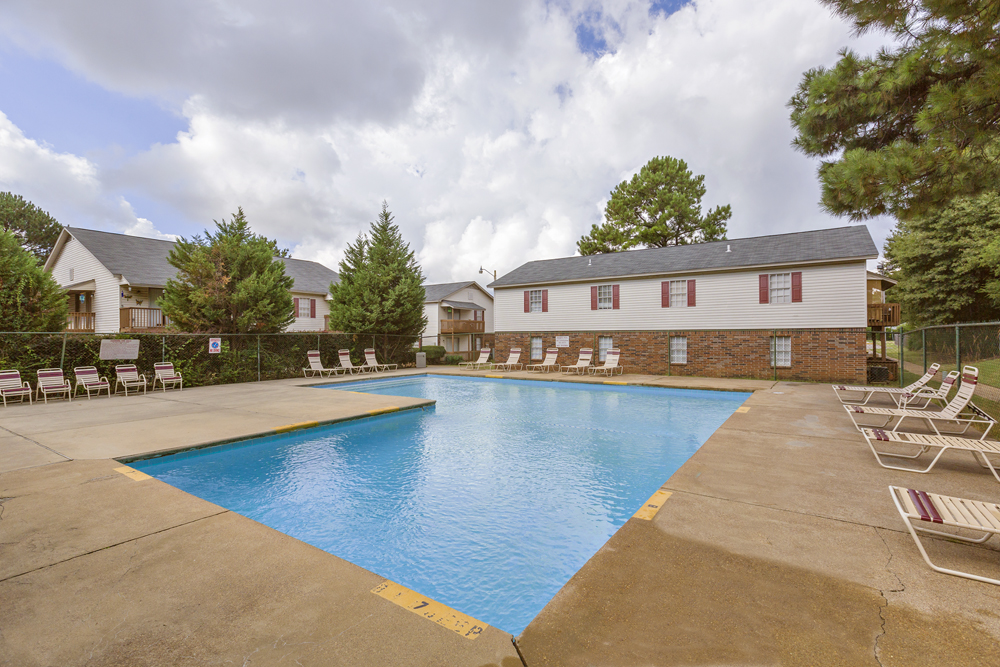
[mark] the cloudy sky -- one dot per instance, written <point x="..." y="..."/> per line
<point x="495" y="130"/>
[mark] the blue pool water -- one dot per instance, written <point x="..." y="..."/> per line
<point x="488" y="502"/>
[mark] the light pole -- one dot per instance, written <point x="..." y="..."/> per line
<point x="482" y="270"/>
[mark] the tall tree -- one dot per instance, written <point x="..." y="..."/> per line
<point x="30" y="298"/>
<point x="660" y="206"/>
<point x="907" y="130"/>
<point x="948" y="263"/>
<point x="381" y="285"/>
<point x="36" y="230"/>
<point x="228" y="282"/>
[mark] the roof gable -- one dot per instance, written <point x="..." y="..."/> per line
<point x="435" y="293"/>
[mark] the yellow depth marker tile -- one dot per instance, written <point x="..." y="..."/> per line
<point x="652" y="506"/>
<point x="132" y="473"/>
<point x="391" y="408"/>
<point x="613" y="382"/>
<point x="499" y="377"/>
<point x="744" y="409"/>
<point x="441" y="614"/>
<point x="295" y="427"/>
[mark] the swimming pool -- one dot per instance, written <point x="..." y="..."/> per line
<point x="487" y="502"/>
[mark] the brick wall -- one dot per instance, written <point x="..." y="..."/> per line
<point x="818" y="355"/>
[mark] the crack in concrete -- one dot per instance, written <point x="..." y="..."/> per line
<point x="19" y="435"/>
<point x="881" y="610"/>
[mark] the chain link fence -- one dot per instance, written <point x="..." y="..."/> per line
<point x="243" y="357"/>
<point x="954" y="346"/>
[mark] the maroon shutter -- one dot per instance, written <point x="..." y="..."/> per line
<point x="545" y="301"/>
<point x="312" y="308"/>
<point x="797" y="287"/>
<point x="665" y="295"/>
<point x="295" y="307"/>
<point x="691" y="293"/>
<point x="527" y="303"/>
<point x="765" y="288"/>
<point x="593" y="297"/>
<point x="614" y="297"/>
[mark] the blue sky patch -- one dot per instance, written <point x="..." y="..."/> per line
<point x="666" y="7"/>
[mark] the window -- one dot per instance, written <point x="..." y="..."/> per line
<point x="781" y="351"/>
<point x="304" y="308"/>
<point x="71" y="273"/>
<point x="678" y="349"/>
<point x="535" y="305"/>
<point x="678" y="293"/>
<point x="780" y="287"/>
<point x="604" y="343"/>
<point x="536" y="348"/>
<point x="605" y="297"/>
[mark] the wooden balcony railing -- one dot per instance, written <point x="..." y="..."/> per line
<point x="142" y="319"/>
<point x="462" y="326"/>
<point x="883" y="314"/>
<point x="80" y="322"/>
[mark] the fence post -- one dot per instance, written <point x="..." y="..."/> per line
<point x="774" y="352"/>
<point x="923" y="344"/>
<point x="163" y="348"/>
<point x="258" y="357"/>
<point x="62" y="357"/>
<point x="958" y="351"/>
<point x="902" y="358"/>
<point x="668" y="354"/>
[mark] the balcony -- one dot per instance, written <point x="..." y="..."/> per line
<point x="462" y="326"/>
<point x="883" y="315"/>
<point x="80" y="322"/>
<point x="142" y="320"/>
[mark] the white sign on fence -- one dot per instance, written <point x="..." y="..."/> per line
<point x="119" y="348"/>
<point x="214" y="345"/>
<point x="562" y="341"/>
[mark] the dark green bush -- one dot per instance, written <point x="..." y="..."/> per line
<point x="452" y="359"/>
<point x="434" y="353"/>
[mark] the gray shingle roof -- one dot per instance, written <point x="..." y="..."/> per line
<point x="144" y="262"/>
<point x="840" y="243"/>
<point x="434" y="293"/>
<point x="463" y="305"/>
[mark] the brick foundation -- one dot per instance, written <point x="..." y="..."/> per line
<point x="818" y="355"/>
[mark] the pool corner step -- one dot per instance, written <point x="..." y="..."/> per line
<point x="652" y="506"/>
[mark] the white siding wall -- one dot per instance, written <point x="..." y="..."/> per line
<point x="86" y="267"/>
<point x="310" y="323"/>
<point x="833" y="296"/>
<point x="431" y="311"/>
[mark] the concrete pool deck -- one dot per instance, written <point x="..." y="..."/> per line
<point x="778" y="545"/>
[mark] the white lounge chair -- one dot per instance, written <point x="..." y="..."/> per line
<point x="582" y="363"/>
<point x="11" y="385"/>
<point x="548" y="363"/>
<point x="919" y="508"/>
<point x="483" y="360"/>
<point x="88" y="378"/>
<point x="345" y="363"/>
<point x="892" y="392"/>
<point x="611" y="358"/>
<point x="128" y="375"/>
<point x="374" y="365"/>
<point x="512" y="361"/>
<point x="52" y="381"/>
<point x="316" y="366"/>
<point x="981" y="450"/>
<point x="165" y="375"/>
<point x="958" y="412"/>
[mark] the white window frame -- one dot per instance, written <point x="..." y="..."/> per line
<point x="783" y="357"/>
<point x="604" y="343"/>
<point x="535" y="301"/>
<point x="605" y="297"/>
<point x="304" y="305"/>
<point x="541" y="348"/>
<point x="678" y="293"/>
<point x="779" y="288"/>
<point x="678" y="349"/>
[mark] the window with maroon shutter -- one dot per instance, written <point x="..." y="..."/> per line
<point x="312" y="308"/>
<point x="295" y="306"/>
<point x="545" y="301"/>
<point x="796" y="287"/>
<point x="615" y="297"/>
<point x="605" y="297"/>
<point x="691" y="294"/>
<point x="593" y="297"/>
<point x="665" y="294"/>
<point x="527" y="302"/>
<point x="536" y="301"/>
<point x="679" y="294"/>
<point x="765" y="288"/>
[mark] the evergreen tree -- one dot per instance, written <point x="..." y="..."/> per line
<point x="659" y="207"/>
<point x="948" y="263"/>
<point x="30" y="298"/>
<point x="909" y="129"/>
<point x="381" y="285"/>
<point x="36" y="230"/>
<point x="228" y="282"/>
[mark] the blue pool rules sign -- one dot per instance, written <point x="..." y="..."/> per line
<point x="214" y="345"/>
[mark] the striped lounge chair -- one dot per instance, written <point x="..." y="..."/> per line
<point x="165" y="374"/>
<point x="981" y="450"/>
<point x="895" y="393"/>
<point x="483" y="360"/>
<point x="127" y="375"/>
<point x="51" y="381"/>
<point x="611" y="358"/>
<point x="316" y="366"/>
<point x="582" y="363"/>
<point x="372" y="364"/>
<point x="512" y="362"/>
<point x="548" y="363"/>
<point x="920" y="510"/>
<point x="346" y="366"/>
<point x="88" y="378"/>
<point x="11" y="386"/>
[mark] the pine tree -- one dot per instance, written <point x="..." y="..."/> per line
<point x="381" y="285"/>
<point x="228" y="282"/>
<point x="660" y="206"/>
<point x="30" y="298"/>
<point x="36" y="230"/>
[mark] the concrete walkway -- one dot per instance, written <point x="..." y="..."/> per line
<point x="779" y="546"/>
